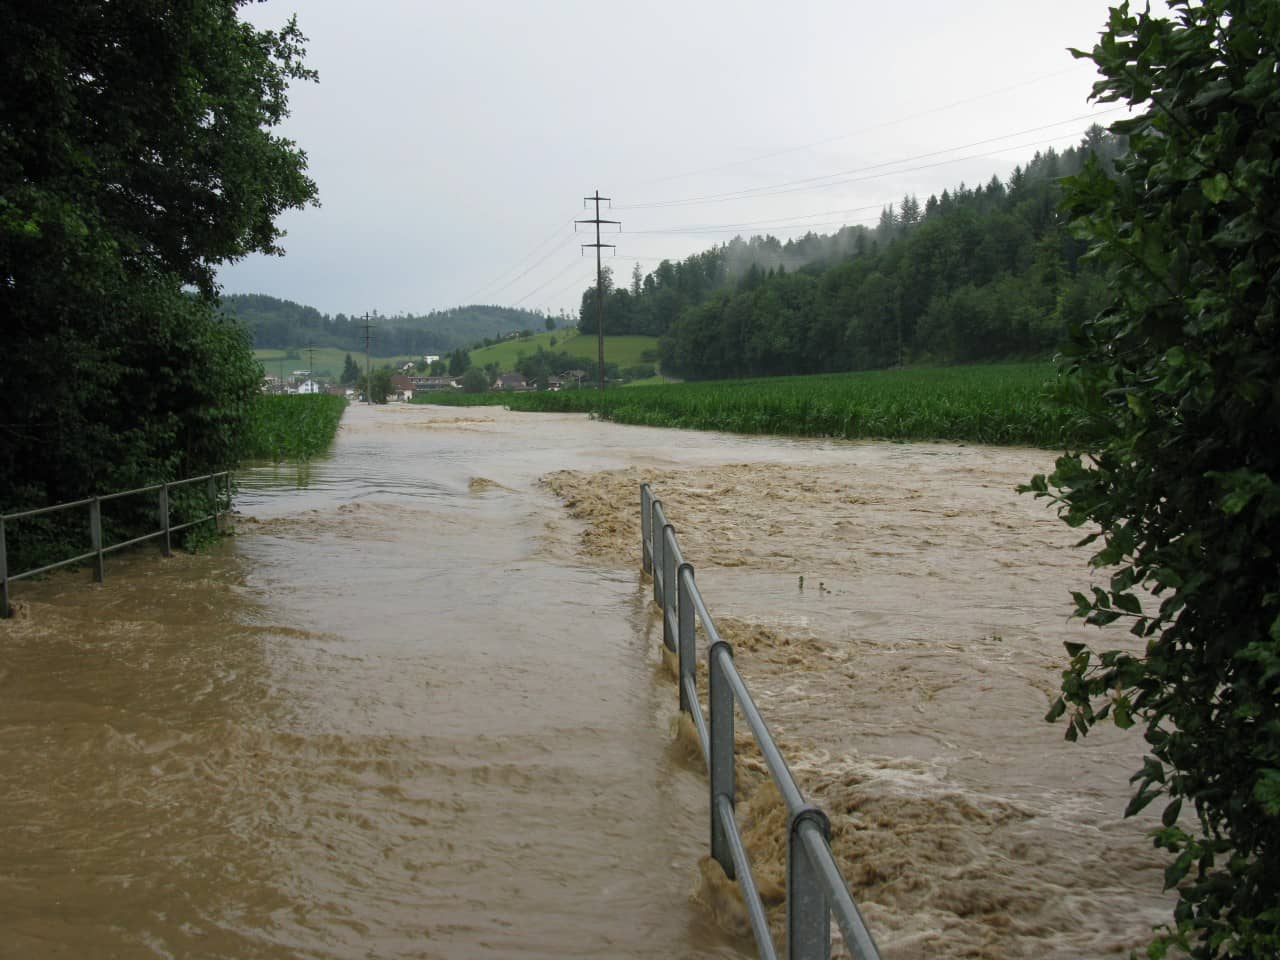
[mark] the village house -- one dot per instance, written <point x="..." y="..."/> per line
<point x="434" y="383"/>
<point x="510" y="381"/>
<point x="401" y="388"/>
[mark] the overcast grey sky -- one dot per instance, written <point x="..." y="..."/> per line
<point x="453" y="142"/>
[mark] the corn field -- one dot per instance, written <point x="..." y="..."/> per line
<point x="1005" y="404"/>
<point x="285" y="427"/>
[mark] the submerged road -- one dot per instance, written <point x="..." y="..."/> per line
<point x="409" y="711"/>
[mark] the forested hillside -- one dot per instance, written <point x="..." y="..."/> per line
<point x="284" y="324"/>
<point x="980" y="273"/>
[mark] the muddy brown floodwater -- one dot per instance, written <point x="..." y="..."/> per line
<point x="415" y="708"/>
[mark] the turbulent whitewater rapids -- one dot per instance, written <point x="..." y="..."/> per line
<point x="414" y="708"/>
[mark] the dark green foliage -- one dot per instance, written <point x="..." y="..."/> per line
<point x="289" y="427"/>
<point x="135" y="155"/>
<point x="1177" y="389"/>
<point x="459" y="362"/>
<point x="999" y="404"/>
<point x="283" y="324"/>
<point x="474" y="381"/>
<point x="539" y="368"/>
<point x="381" y="385"/>
<point x="350" y="372"/>
<point x="979" y="274"/>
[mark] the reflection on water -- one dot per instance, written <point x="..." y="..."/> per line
<point x="265" y="475"/>
<point x="400" y="715"/>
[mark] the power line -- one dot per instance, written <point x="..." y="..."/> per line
<point x="876" y="126"/>
<point x="891" y="173"/>
<point x="578" y="281"/>
<point x="791" y="186"/>
<point x="550" y="280"/>
<point x="712" y="231"/>
<point x="517" y="263"/>
<point x="772" y="220"/>
<point x="549" y="255"/>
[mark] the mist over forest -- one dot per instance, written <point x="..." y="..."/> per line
<point x="976" y="273"/>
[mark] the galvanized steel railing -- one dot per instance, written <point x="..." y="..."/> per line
<point x="97" y="549"/>
<point x="815" y="886"/>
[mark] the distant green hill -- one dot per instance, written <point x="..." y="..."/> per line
<point x="284" y="324"/>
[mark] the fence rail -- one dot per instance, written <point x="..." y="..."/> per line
<point x="815" y="886"/>
<point x="97" y="549"/>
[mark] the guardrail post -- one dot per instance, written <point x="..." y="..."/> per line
<point x="670" y="590"/>
<point x="656" y="546"/>
<point x="95" y="539"/>
<point x="720" y="698"/>
<point x="4" y="575"/>
<point x="646" y="529"/>
<point x="211" y="488"/>
<point x="688" y="655"/>
<point x="165" y="545"/>
<point x="808" y="915"/>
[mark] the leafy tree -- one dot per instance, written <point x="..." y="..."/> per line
<point x="1176" y="382"/>
<point x="136" y="154"/>
<point x="381" y="385"/>
<point x="475" y="380"/>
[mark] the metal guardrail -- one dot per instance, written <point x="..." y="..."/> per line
<point x="815" y="886"/>
<point x="97" y="549"/>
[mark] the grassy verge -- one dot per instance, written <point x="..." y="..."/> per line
<point x="997" y="403"/>
<point x="293" y="427"/>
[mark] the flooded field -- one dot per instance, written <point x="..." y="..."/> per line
<point x="415" y="708"/>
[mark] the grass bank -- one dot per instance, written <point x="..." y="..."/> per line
<point x="292" y="427"/>
<point x="625" y="351"/>
<point x="995" y="403"/>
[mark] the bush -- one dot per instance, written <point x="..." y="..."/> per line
<point x="1174" y="385"/>
<point x="475" y="380"/>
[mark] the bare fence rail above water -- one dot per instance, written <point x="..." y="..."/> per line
<point x="97" y="549"/>
<point x="815" y="886"/>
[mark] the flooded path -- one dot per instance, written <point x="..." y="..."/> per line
<point x="413" y="709"/>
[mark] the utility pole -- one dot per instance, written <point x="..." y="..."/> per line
<point x="596" y="198"/>
<point x="368" y="380"/>
<point x="311" y="365"/>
